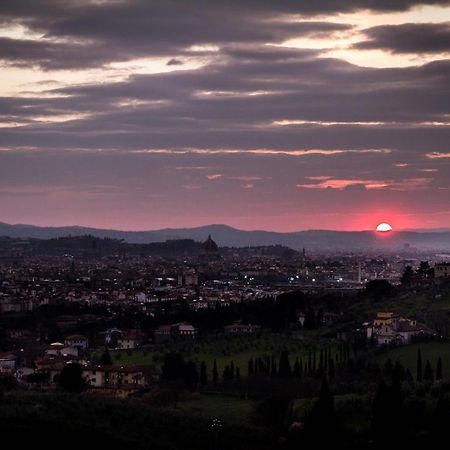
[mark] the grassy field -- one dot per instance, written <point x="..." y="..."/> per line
<point x="237" y="411"/>
<point x="229" y="409"/>
<point x="407" y="355"/>
<point x="441" y="303"/>
<point x="239" y="350"/>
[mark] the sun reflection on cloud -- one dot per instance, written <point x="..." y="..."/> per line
<point x="339" y="44"/>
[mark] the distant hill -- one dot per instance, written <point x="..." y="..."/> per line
<point x="232" y="237"/>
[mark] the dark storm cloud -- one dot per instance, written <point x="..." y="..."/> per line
<point x="408" y="38"/>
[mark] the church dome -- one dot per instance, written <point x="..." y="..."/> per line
<point x="209" y="245"/>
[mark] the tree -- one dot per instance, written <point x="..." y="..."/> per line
<point x="424" y="270"/>
<point x="407" y="276"/>
<point x="310" y="319"/>
<point x="398" y="373"/>
<point x="226" y="375"/>
<point x="378" y="289"/>
<point x="250" y="369"/>
<point x="71" y="378"/>
<point x="232" y="369"/>
<point x="203" y="374"/>
<point x="284" y="366"/>
<point x="387" y="413"/>
<point x="319" y="318"/>
<point x="297" y="369"/>
<point x="331" y="368"/>
<point x="439" y="369"/>
<point x="273" y="370"/>
<point x="173" y="367"/>
<point x="428" y="372"/>
<point x="441" y="419"/>
<point x="275" y="413"/>
<point x="191" y="376"/>
<point x="106" y="359"/>
<point x="322" y="425"/>
<point x="419" y="375"/>
<point x="215" y="373"/>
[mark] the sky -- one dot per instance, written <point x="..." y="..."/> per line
<point x="278" y="115"/>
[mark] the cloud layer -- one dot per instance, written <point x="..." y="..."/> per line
<point x="142" y="114"/>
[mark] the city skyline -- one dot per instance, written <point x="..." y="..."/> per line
<point x="283" y="116"/>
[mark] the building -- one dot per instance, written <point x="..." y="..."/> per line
<point x="174" y="332"/>
<point x="183" y="331"/>
<point x="239" y="329"/>
<point x="188" y="278"/>
<point x="60" y="349"/>
<point x="390" y="329"/>
<point x="442" y="270"/>
<point x="129" y="340"/>
<point x="162" y="334"/>
<point x="8" y="362"/>
<point x="77" y="340"/>
<point x="210" y="246"/>
<point x="99" y="376"/>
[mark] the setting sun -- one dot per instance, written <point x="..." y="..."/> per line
<point x="384" y="227"/>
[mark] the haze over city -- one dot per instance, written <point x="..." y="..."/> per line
<point x="281" y="116"/>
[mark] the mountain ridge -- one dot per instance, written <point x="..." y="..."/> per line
<point x="226" y="235"/>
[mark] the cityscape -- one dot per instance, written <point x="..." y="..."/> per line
<point x="224" y="224"/>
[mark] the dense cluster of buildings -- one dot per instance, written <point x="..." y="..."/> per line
<point x="144" y="283"/>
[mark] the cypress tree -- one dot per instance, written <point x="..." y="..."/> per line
<point x="428" y="372"/>
<point x="319" y="318"/>
<point x="174" y="367"/>
<point x="331" y="368"/>
<point x="232" y="369"/>
<point x="284" y="366"/>
<point x="273" y="367"/>
<point x="441" y="419"/>
<point x="419" y="375"/>
<point x="203" y="374"/>
<point x="321" y="426"/>
<point x="439" y="369"/>
<point x="106" y="359"/>
<point x="408" y="376"/>
<point x="215" y="373"/>
<point x="387" y="417"/>
<point x="191" y="376"/>
<point x="399" y="371"/>
<point x="273" y="371"/>
<point x="250" y="367"/>
<point x="297" y="368"/>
